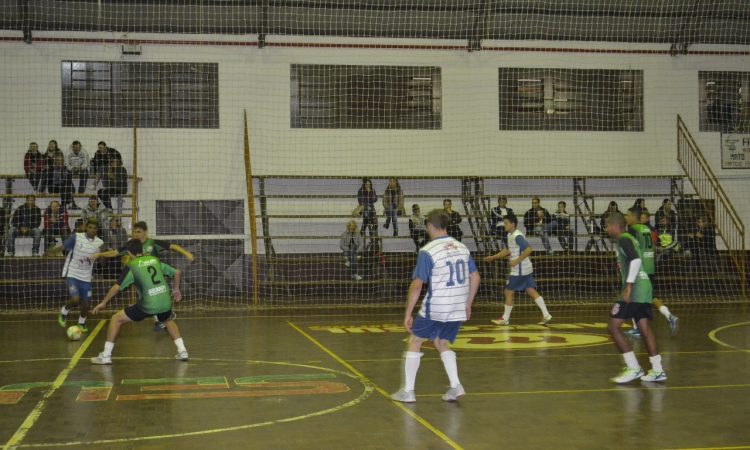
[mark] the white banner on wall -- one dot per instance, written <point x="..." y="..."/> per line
<point x="735" y="151"/>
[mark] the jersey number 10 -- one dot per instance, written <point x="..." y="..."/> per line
<point x="458" y="270"/>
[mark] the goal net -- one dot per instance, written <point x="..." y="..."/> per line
<point x="285" y="155"/>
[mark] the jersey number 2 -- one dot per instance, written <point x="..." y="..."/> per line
<point x="152" y="271"/>
<point x="459" y="270"/>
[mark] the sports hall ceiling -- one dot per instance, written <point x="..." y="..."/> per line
<point x="665" y="21"/>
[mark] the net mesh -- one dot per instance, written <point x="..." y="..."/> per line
<point x="468" y="101"/>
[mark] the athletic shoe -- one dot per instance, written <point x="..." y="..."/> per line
<point x="654" y="376"/>
<point x="627" y="375"/>
<point x="545" y="321"/>
<point x="404" y="396"/>
<point x="356" y="278"/>
<point x="158" y="326"/>
<point x="347" y="264"/>
<point x="452" y="394"/>
<point x="500" y="321"/>
<point x="102" y="359"/>
<point x="84" y="328"/>
<point x="634" y="332"/>
<point x="673" y="325"/>
<point x="182" y="356"/>
<point x="61" y="320"/>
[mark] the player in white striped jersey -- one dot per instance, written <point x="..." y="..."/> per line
<point x="446" y="267"/>
<point x="521" y="271"/>
<point x="78" y="268"/>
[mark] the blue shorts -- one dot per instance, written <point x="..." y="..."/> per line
<point x="520" y="283"/>
<point x="78" y="288"/>
<point x="432" y="329"/>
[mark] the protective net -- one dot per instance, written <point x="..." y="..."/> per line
<point x="361" y="118"/>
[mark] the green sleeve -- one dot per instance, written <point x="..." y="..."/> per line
<point x="127" y="281"/>
<point x="168" y="270"/>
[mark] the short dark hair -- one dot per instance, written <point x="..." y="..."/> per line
<point x="664" y="202"/>
<point x="512" y="219"/>
<point x="141" y="226"/>
<point x="93" y="197"/>
<point x="503" y="197"/>
<point x="76" y="143"/>
<point x="562" y="202"/>
<point x="439" y="219"/>
<point x="414" y="206"/>
<point x="646" y="212"/>
<point x="92" y="221"/>
<point x="78" y="223"/>
<point x="101" y="143"/>
<point x="134" y="246"/>
<point x="616" y="218"/>
<point x="635" y="210"/>
<point x="30" y="196"/>
<point x="448" y="200"/>
<point x="536" y="198"/>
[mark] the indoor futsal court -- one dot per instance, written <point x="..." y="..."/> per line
<point x="374" y="224"/>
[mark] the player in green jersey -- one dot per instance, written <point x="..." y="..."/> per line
<point x="635" y="304"/>
<point x="148" y="274"/>
<point x="638" y="222"/>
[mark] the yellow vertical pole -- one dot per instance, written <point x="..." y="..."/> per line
<point x="251" y="213"/>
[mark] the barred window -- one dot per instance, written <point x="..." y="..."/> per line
<point x="571" y="99"/>
<point x="384" y="97"/>
<point x="157" y="95"/>
<point x="724" y="101"/>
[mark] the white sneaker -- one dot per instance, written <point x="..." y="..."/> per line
<point x="102" y="359"/>
<point x="452" y="394"/>
<point x="654" y="376"/>
<point x="627" y="375"/>
<point x="182" y="356"/>
<point x="545" y="321"/>
<point x="501" y="321"/>
<point x="356" y="277"/>
<point x="404" y="396"/>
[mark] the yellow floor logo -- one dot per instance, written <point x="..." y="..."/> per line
<point x="526" y="340"/>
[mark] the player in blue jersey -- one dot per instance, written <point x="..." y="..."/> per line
<point x="446" y="267"/>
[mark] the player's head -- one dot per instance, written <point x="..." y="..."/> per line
<point x="633" y="216"/>
<point x="140" y="231"/>
<point x="437" y="222"/>
<point x="93" y="202"/>
<point x="510" y="223"/>
<point x="502" y="201"/>
<point x="79" y="226"/>
<point x="616" y="224"/>
<point x="447" y="204"/>
<point x="134" y="247"/>
<point x="645" y="216"/>
<point x="351" y="226"/>
<point x="91" y="227"/>
<point x="30" y="200"/>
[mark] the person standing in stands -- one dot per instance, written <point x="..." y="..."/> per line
<point x="454" y="230"/>
<point x="367" y="197"/>
<point x="498" y="213"/>
<point x="52" y="152"/>
<point x="102" y="161"/>
<point x="417" y="227"/>
<point x="393" y="203"/>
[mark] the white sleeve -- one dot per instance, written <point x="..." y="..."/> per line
<point x="635" y="267"/>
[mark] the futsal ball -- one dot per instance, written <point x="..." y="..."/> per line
<point x="74" y="333"/>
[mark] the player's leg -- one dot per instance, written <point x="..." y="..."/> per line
<point x="634" y="331"/>
<point x="412" y="359"/>
<point x="620" y="313"/>
<point x="508" y="308"/>
<point x="174" y="332"/>
<point x="119" y="319"/>
<point x="672" y="320"/>
<point x="448" y="332"/>
<point x="84" y="289"/>
<point x="644" y="324"/>
<point x="539" y="300"/>
<point x="72" y="301"/>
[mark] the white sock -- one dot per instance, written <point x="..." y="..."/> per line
<point x="81" y="320"/>
<point x="156" y="319"/>
<point x="180" y="345"/>
<point x="108" y="346"/>
<point x="64" y="311"/>
<point x="665" y="311"/>
<point x="630" y="360"/>
<point x="506" y="313"/>
<point x="656" y="363"/>
<point x="411" y="366"/>
<point x="540" y="303"/>
<point x="451" y="368"/>
<point x="635" y="324"/>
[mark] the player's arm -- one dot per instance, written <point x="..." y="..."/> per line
<point x="186" y="254"/>
<point x="499" y="255"/>
<point x="473" y="286"/>
<point x="106" y="254"/>
<point x="525" y="251"/>
<point x="67" y="246"/>
<point x="176" y="276"/>
<point x="634" y="266"/>
<point x="125" y="280"/>
<point x="421" y="275"/>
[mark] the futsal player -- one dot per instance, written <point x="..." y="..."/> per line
<point x="521" y="272"/>
<point x="77" y="271"/>
<point x="635" y="304"/>
<point x="151" y="247"/>
<point x="148" y="274"/>
<point x="446" y="267"/>
<point x="638" y="220"/>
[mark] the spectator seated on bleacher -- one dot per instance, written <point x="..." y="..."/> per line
<point x="52" y="152"/>
<point x="497" y="214"/>
<point x="4" y="214"/>
<point x="638" y="206"/>
<point x="78" y="164"/>
<point x="667" y="240"/>
<point x="26" y="222"/>
<point x="454" y="230"/>
<point x="612" y="208"/>
<point x="55" y="224"/>
<point x="57" y="179"/>
<point x="536" y="218"/>
<point x="702" y="242"/>
<point x="33" y="165"/>
<point x="97" y="211"/>
<point x="666" y="211"/>
<point x="560" y="227"/>
<point x="102" y="161"/>
<point x="417" y="227"/>
<point x="115" y="183"/>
